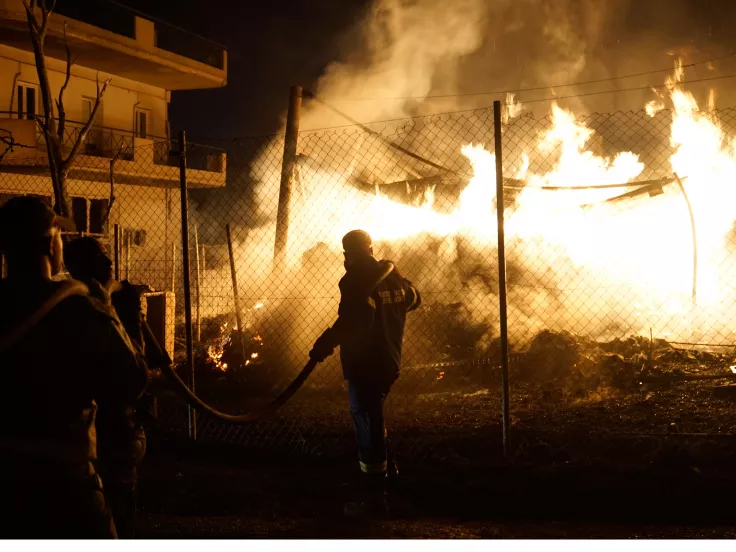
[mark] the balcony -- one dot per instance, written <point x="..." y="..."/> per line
<point x="120" y="41"/>
<point x="150" y="161"/>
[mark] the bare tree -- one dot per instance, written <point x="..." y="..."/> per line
<point x="59" y="163"/>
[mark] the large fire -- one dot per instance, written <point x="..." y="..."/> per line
<point x="635" y="254"/>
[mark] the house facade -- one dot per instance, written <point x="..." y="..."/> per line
<point x="130" y="153"/>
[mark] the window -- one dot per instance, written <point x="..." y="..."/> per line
<point x="133" y="237"/>
<point x="141" y="123"/>
<point x="89" y="215"/>
<point x="87" y="106"/>
<point x="79" y="213"/>
<point x="98" y="216"/>
<point x="26" y="101"/>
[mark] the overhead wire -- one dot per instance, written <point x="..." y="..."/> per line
<point x="534" y="88"/>
<point x="354" y="122"/>
<point x="486" y="107"/>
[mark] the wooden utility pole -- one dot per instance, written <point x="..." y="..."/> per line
<point x="287" y="177"/>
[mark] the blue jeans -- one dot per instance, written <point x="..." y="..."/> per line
<point x="366" y="408"/>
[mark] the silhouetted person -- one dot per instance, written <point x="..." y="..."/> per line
<point x="370" y="332"/>
<point x="120" y="434"/>
<point x="63" y="354"/>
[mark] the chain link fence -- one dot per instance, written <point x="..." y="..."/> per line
<point x="619" y="239"/>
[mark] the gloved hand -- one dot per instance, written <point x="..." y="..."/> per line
<point x="321" y="349"/>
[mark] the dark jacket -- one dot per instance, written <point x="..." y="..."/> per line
<point x="120" y="436"/>
<point x="370" y="324"/>
<point x="72" y="361"/>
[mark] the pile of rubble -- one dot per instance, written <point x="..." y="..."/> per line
<point x="573" y="360"/>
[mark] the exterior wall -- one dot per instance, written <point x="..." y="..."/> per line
<point x="154" y="210"/>
<point x="121" y="99"/>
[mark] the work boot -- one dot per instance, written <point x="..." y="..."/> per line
<point x="371" y="503"/>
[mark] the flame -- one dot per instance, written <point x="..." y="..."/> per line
<point x="440" y="375"/>
<point x="653" y="107"/>
<point x="640" y="250"/>
<point x="215" y="353"/>
<point x="216" y="350"/>
<point x="511" y="109"/>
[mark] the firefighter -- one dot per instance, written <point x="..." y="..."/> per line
<point x="369" y="331"/>
<point x="121" y="437"/>
<point x="63" y="354"/>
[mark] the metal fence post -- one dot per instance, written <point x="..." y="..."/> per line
<point x="116" y="253"/>
<point x="198" y="282"/>
<point x="287" y="176"/>
<point x="126" y="241"/>
<point x="503" y="314"/>
<point x="186" y="270"/>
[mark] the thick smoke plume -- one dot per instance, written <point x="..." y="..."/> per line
<point x="397" y="61"/>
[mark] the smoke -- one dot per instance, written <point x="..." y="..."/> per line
<point x="401" y="50"/>
<point x="395" y="63"/>
<point x="419" y="49"/>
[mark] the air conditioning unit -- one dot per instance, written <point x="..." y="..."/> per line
<point x="160" y="313"/>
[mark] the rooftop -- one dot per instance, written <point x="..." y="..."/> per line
<point x="110" y="37"/>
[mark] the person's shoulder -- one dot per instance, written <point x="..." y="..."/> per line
<point x="86" y="306"/>
<point x="356" y="282"/>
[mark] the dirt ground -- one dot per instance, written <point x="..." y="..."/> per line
<point x="601" y="448"/>
<point x="206" y="492"/>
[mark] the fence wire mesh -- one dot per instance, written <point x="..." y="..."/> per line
<point x="603" y="311"/>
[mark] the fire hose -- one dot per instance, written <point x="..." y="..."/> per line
<point x="66" y="290"/>
<point x="254" y="415"/>
<point x="72" y="288"/>
<point x="261" y="412"/>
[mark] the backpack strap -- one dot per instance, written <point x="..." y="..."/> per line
<point x="66" y="290"/>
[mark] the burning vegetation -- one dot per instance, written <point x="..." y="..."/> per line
<point x="600" y="242"/>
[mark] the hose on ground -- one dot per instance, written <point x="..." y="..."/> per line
<point x="261" y="412"/>
<point x="195" y="402"/>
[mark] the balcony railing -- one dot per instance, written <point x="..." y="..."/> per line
<point x="111" y="17"/>
<point x="120" y="19"/>
<point x="100" y="141"/>
<point x="117" y="143"/>
<point x="203" y="158"/>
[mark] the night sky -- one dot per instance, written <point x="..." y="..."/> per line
<point x="272" y="44"/>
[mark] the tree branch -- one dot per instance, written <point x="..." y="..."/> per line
<point x="85" y="129"/>
<point x="45" y="12"/>
<point x="32" y="22"/>
<point x="60" y="101"/>
<point x="9" y="142"/>
<point x="53" y="145"/>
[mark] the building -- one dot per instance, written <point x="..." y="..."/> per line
<point x="146" y="60"/>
